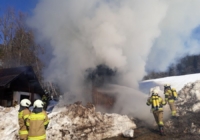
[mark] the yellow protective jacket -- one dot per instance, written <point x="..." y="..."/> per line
<point x="22" y="117"/>
<point x="159" y="103"/>
<point x="37" y="123"/>
<point x="170" y="94"/>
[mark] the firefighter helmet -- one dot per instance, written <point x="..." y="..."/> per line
<point x="38" y="104"/>
<point x="155" y="92"/>
<point x="167" y="85"/>
<point x="25" y="103"/>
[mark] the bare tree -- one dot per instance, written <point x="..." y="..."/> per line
<point x="7" y="29"/>
<point x="19" y="46"/>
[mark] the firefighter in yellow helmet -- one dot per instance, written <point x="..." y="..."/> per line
<point x="22" y="117"/>
<point x="37" y="122"/>
<point x="170" y="97"/>
<point x="157" y="104"/>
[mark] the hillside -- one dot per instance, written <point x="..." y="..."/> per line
<point x="177" y="82"/>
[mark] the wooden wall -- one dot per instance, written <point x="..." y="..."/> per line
<point x="103" y="99"/>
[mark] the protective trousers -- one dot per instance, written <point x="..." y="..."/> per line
<point x="158" y="115"/>
<point x="23" y="137"/>
<point x="172" y="107"/>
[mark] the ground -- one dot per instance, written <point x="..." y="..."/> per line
<point x="145" y="132"/>
<point x="150" y="134"/>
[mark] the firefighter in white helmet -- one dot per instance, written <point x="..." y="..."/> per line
<point x="157" y="104"/>
<point x="170" y="97"/>
<point x="37" y="122"/>
<point x="23" y="114"/>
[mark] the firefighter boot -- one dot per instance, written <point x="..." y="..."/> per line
<point x="161" y="129"/>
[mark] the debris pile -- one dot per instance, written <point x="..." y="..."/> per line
<point x="79" y="122"/>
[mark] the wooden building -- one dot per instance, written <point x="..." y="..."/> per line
<point x="104" y="98"/>
<point x="18" y="83"/>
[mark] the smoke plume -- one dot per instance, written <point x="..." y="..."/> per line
<point x="125" y="35"/>
<point x="178" y="36"/>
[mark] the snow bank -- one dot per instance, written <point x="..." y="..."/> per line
<point x="9" y="123"/>
<point x="189" y="97"/>
<point x="188" y="109"/>
<point x="79" y="122"/>
<point x="177" y="82"/>
<point x="70" y="122"/>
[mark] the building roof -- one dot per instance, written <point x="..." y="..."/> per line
<point x="20" y="79"/>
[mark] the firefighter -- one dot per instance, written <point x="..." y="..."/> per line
<point x="24" y="112"/>
<point x="37" y="122"/>
<point x="157" y="104"/>
<point x="45" y="99"/>
<point x="170" y="97"/>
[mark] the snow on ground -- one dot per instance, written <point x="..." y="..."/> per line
<point x="190" y="95"/>
<point x="177" y="82"/>
<point x="188" y="103"/>
<point x="188" y="109"/>
<point x="72" y="122"/>
<point x="78" y="122"/>
<point x="9" y="123"/>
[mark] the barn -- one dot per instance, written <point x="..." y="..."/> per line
<point x="103" y="98"/>
<point x="100" y="78"/>
<point x="18" y="83"/>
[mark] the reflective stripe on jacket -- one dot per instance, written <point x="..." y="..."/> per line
<point x="37" y="138"/>
<point x="37" y="123"/>
<point x="22" y="116"/>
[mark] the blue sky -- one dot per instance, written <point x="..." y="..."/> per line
<point x="19" y="5"/>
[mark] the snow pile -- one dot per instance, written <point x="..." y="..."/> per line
<point x="9" y="123"/>
<point x="70" y="122"/>
<point x="188" y="109"/>
<point x="78" y="122"/>
<point x="177" y="82"/>
<point x="128" y="133"/>
<point x="189" y="97"/>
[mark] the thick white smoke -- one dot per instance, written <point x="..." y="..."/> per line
<point x="176" y="39"/>
<point x="118" y="33"/>
<point x="86" y="33"/>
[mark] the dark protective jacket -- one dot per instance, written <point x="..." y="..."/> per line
<point x="45" y="99"/>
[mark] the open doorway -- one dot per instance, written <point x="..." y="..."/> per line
<point x="24" y="97"/>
